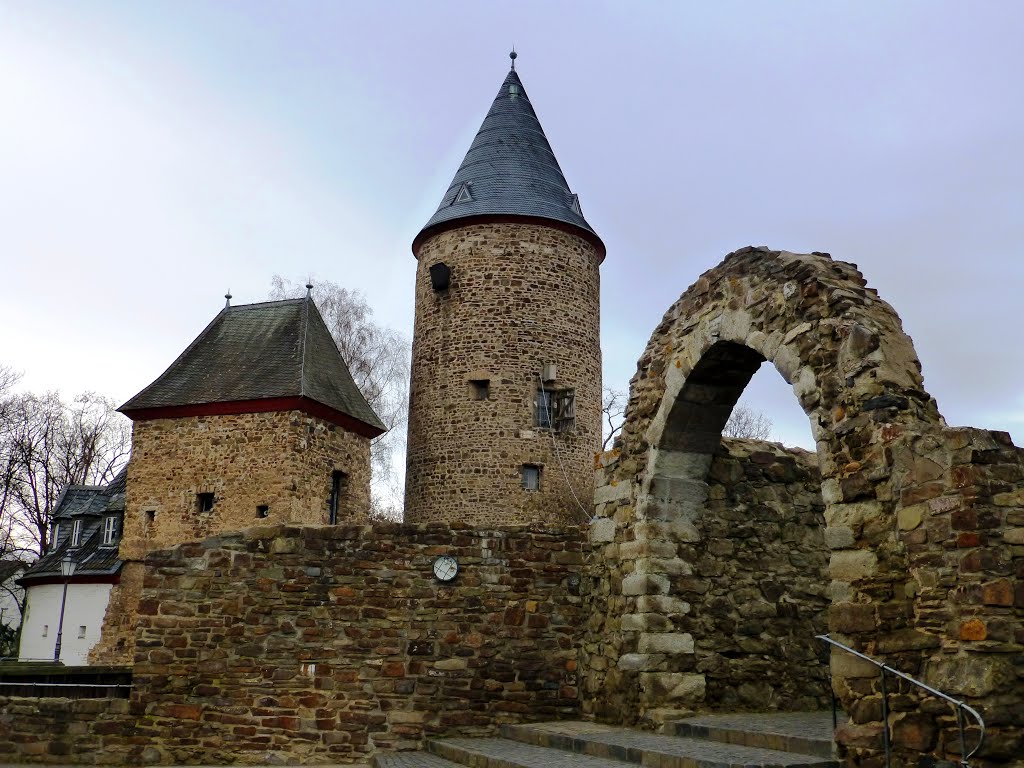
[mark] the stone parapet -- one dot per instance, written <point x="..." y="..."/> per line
<point x="324" y="644"/>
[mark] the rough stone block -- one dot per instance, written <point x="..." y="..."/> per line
<point x="602" y="530"/>
<point x="839" y="537"/>
<point x="851" y="565"/>
<point x="663" y="604"/>
<point x="675" y="687"/>
<point x="638" y="662"/>
<point x="611" y="492"/>
<point x="909" y="518"/>
<point x="645" y="584"/>
<point x="666" y="642"/>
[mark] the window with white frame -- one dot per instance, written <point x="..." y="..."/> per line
<point x="76" y="532"/>
<point x="55" y="535"/>
<point x="109" y="530"/>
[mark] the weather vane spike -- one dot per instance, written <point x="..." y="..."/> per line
<point x="309" y="287"/>
<point x="513" y="57"/>
<point x="227" y="299"/>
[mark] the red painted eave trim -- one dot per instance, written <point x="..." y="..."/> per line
<point x="266" y="405"/>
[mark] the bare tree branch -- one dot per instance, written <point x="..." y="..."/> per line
<point x="746" y="422"/>
<point x="613" y="407"/>
<point x="45" y="445"/>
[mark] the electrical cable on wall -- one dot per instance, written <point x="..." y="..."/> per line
<point x="558" y="454"/>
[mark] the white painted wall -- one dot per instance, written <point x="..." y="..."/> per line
<point x="85" y="607"/>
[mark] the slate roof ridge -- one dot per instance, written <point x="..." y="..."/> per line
<point x="257" y="304"/>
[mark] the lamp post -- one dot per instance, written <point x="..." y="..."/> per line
<point x="67" y="568"/>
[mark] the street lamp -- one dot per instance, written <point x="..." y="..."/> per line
<point x="67" y="568"/>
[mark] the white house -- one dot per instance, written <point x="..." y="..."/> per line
<point x="68" y="587"/>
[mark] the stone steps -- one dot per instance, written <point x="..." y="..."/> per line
<point x="810" y="733"/>
<point x="710" y="742"/>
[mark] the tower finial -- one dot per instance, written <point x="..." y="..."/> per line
<point x="227" y="299"/>
<point x="513" y="56"/>
<point x="309" y="288"/>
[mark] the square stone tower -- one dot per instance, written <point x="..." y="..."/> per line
<point x="505" y="398"/>
<point x="257" y="422"/>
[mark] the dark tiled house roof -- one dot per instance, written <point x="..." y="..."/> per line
<point x="510" y="170"/>
<point x="253" y="352"/>
<point x="92" y="504"/>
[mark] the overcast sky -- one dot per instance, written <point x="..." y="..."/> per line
<point x="154" y="155"/>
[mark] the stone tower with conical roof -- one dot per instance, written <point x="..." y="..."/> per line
<point x="505" y="400"/>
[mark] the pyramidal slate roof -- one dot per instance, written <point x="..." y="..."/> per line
<point x="275" y="351"/>
<point x="510" y="170"/>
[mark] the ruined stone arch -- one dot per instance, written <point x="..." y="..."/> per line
<point x="890" y="470"/>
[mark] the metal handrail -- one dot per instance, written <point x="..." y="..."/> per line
<point x="958" y="706"/>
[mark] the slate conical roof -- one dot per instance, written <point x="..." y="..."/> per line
<point x="276" y="353"/>
<point x="510" y="171"/>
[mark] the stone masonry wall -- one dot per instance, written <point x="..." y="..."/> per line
<point x="923" y="521"/>
<point x="283" y="460"/>
<point x="322" y="644"/>
<point x="742" y="618"/>
<point x="521" y="295"/>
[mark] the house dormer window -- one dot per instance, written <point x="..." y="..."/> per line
<point x="54" y="535"/>
<point x="76" y="532"/>
<point x="109" y="530"/>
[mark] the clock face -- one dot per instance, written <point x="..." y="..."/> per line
<point x="446" y="567"/>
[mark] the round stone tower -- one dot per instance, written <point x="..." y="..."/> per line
<point x="505" y="399"/>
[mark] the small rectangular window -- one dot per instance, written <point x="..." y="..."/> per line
<point x="556" y="409"/>
<point x="46" y="629"/>
<point x="109" y="530"/>
<point x="339" y="487"/>
<point x="531" y="477"/>
<point x="263" y="510"/>
<point x="76" y="532"/>
<point x="204" y="502"/>
<point x="55" y="535"/>
<point x="480" y="389"/>
<point x="81" y="631"/>
<point x="149" y="519"/>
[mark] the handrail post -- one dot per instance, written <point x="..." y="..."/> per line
<point x="963" y="740"/>
<point x="885" y="722"/>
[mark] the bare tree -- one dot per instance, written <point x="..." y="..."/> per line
<point x="46" y="444"/>
<point x="378" y="359"/>
<point x="613" y="407"/>
<point x="746" y="422"/>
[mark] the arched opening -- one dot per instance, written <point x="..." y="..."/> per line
<point x="745" y="522"/>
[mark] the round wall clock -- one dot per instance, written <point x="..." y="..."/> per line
<point x="446" y="567"/>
